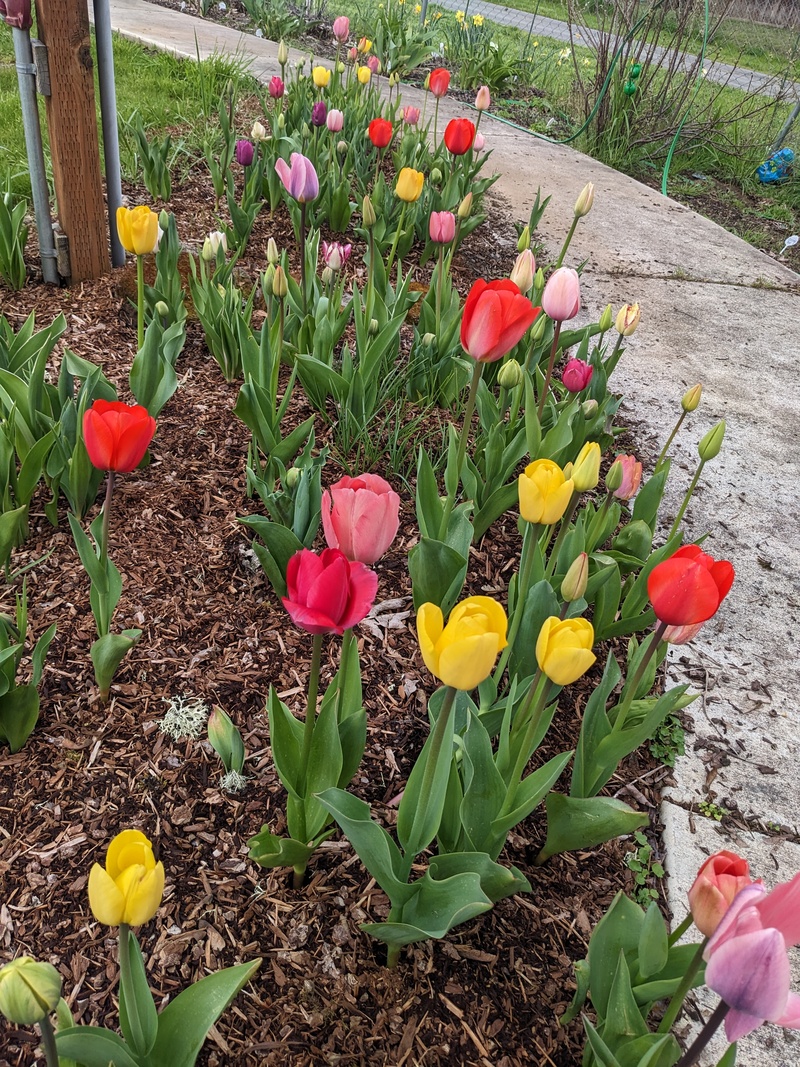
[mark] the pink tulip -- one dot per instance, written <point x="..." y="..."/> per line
<point x="335" y="120"/>
<point x="411" y="115"/>
<point x="479" y="142"/>
<point x="300" y="179"/>
<point x="341" y="28"/>
<point x="374" y="64"/>
<point x="352" y="54"/>
<point x="561" y="298"/>
<point x="576" y="376"/>
<point x="681" y="635"/>
<point x="276" y="87"/>
<point x="327" y="593"/>
<point x="747" y="963"/>
<point x="442" y="227"/>
<point x="335" y="255"/>
<point x="483" y="99"/>
<point x="631" y="478"/>
<point x="360" y="516"/>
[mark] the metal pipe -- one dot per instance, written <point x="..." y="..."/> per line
<point x="785" y="128"/>
<point x="108" y="109"/>
<point x="26" y="75"/>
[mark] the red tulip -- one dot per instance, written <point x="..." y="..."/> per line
<point x="717" y="883"/>
<point x="439" y="81"/>
<point x="576" y="375"/>
<point x="327" y="593"/>
<point x="688" y="587"/>
<point x="459" y="135"/>
<point x="360" y="516"/>
<point x="380" y="132"/>
<point x="116" y="435"/>
<point x="496" y="315"/>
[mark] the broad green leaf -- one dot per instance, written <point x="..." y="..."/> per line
<point x="93" y="1046"/>
<point x="418" y="817"/>
<point x="618" y="930"/>
<point x="653" y="943"/>
<point x="622" y="1018"/>
<point x="604" y="1057"/>
<point x="138" y="1017"/>
<point x="437" y="573"/>
<point x="574" y="822"/>
<point x="107" y="653"/>
<point x="286" y="740"/>
<point x="19" y="711"/>
<point x="497" y="882"/>
<point x="267" y="850"/>
<point x="434" y="909"/>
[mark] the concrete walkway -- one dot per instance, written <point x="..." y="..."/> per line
<point x="716" y="311"/>
<point x="749" y="81"/>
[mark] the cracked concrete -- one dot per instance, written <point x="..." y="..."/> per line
<point x="716" y="311"/>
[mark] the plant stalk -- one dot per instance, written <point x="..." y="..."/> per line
<point x="686" y="499"/>
<point x="529" y="541"/>
<point x="632" y="684"/>
<point x="49" y="1041"/>
<point x="692" y="1055"/>
<point x="140" y="302"/>
<point x="676" y="1003"/>
<point x="567" y="240"/>
<point x="662" y="454"/>
<point x="549" y="374"/>
<point x="462" y="447"/>
<point x="104" y="623"/>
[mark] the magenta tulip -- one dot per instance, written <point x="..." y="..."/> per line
<point x="327" y="593"/>
<point x="561" y="298"/>
<point x="747" y="962"/>
<point x="244" y="153"/>
<point x="276" y="88"/>
<point x="319" y="113"/>
<point x="299" y="178"/>
<point x="577" y="375"/>
<point x="442" y="227"/>
<point x="341" y="28"/>
<point x="360" y="516"/>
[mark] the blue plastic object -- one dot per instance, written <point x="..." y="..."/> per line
<point x="776" y="167"/>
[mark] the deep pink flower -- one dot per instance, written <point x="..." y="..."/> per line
<point x="374" y="64"/>
<point x="496" y="315"/>
<point x="327" y="593"/>
<point x="276" y="88"/>
<point x="442" y="227"/>
<point x="747" y="962"/>
<point x="576" y="375"/>
<point x="360" y="516"/>
<point x="244" y="153"/>
<point x="561" y="298"/>
<point x="299" y="178"/>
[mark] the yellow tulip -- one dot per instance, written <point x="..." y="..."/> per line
<point x="321" y="76"/>
<point x="130" y="887"/>
<point x="586" y="468"/>
<point x="462" y="653"/>
<point x="409" y="184"/>
<point x="138" y="229"/>
<point x="628" y="318"/>
<point x="564" y="649"/>
<point x="364" y="75"/>
<point x="544" y="492"/>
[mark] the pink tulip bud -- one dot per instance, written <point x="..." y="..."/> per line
<point x="631" y="478"/>
<point x="352" y="55"/>
<point x="360" y="516"/>
<point x="276" y="87"/>
<point x="483" y="100"/>
<point x="561" y="299"/>
<point x="374" y="64"/>
<point x="479" y="142"/>
<point x="576" y="377"/>
<point x="335" y="256"/>
<point x="341" y="28"/>
<point x="411" y="115"/>
<point x="335" y="120"/>
<point x="299" y="178"/>
<point x="442" y="227"/>
<point x="523" y="271"/>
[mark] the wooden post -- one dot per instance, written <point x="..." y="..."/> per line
<point x="63" y="26"/>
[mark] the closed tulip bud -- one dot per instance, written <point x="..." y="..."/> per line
<point x="368" y="215"/>
<point x="352" y="54"/>
<point x="510" y="375"/>
<point x="483" y="99"/>
<point x="575" y="580"/>
<point x="428" y="339"/>
<point x="280" y="285"/>
<point x="465" y="207"/>
<point x="341" y="28"/>
<point x="606" y="319"/>
<point x="360" y="517"/>
<point x="341" y="147"/>
<point x="394" y="78"/>
<point x="138" y="229"/>
<point x="319" y="113"/>
<point x="436" y="176"/>
<point x="212" y="244"/>
<point x="293" y="476"/>
<point x="244" y="153"/>
<point x="538" y="280"/>
<point x="258" y="133"/>
<point x="273" y="255"/>
<point x="364" y="44"/>
<point x="335" y="120"/>
<point x="208" y="253"/>
<point x="340" y="67"/>
<point x="409" y="185"/>
<point x="327" y="275"/>
<point x="162" y="309"/>
<point x="561" y="299"/>
<point x="373" y="328"/>
<point x="590" y="408"/>
<point x="29" y="990"/>
<point x="523" y="270"/>
<point x="301" y="63"/>
<point x="524" y="240"/>
<point x="442" y="227"/>
<point x="583" y="205"/>
<point x="539" y="326"/>
<point x="545" y="491"/>
<point x="281" y="121"/>
<point x="268" y="280"/>
<point x="691" y="398"/>
<point x="411" y="115"/>
<point x="225" y="739"/>
<point x="364" y="75"/>
<point x="627" y="319"/>
<point x="276" y="87"/>
<point x="163" y="220"/>
<point x="283" y="53"/>
<point x="720" y="878"/>
<point x="586" y="469"/>
<point x="564" y="649"/>
<point x="614" y="476"/>
<point x="576" y="375"/>
<point x="306" y="131"/>
<point x="712" y="442"/>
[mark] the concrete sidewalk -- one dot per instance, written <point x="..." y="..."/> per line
<point x="716" y="311"/>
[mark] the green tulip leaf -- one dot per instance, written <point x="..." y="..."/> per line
<point x="92" y="1046"/>
<point x="653" y="943"/>
<point x="602" y="1053"/>
<point x="286" y="739"/>
<point x="434" y="909"/>
<point x="497" y="882"/>
<point x="574" y="822"/>
<point x="618" y="931"/>
<point x="19" y="712"/>
<point x="437" y="573"/>
<point x="108" y="652"/>
<point x="581" y="992"/>
<point x="138" y="1018"/>
<point x="649" y="1050"/>
<point x="622" y="1016"/>
<point x="267" y="850"/>
<point x="417" y="823"/>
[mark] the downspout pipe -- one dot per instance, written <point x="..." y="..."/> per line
<point x="108" y="110"/>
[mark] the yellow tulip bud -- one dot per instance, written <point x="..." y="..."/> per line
<point x="691" y="398"/>
<point x="283" y="53"/>
<point x="586" y="469"/>
<point x="321" y="77"/>
<point x="280" y="284"/>
<point x="368" y="215"/>
<point x="564" y="649"/>
<point x="583" y="205"/>
<point x="130" y="886"/>
<point x="409" y="184"/>
<point x="29" y="990"/>
<point x="606" y="319"/>
<point x="575" y="580"/>
<point x="628" y="319"/>
<point x="712" y="442"/>
<point x="544" y="492"/>
<point x="465" y="207"/>
<point x="364" y="75"/>
<point x="462" y="653"/>
<point x="138" y="229"/>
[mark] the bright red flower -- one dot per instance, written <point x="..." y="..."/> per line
<point x="327" y="593"/>
<point x="459" y="135"/>
<point x="116" y="435"/>
<point x="380" y="132"/>
<point x="439" y="81"/>
<point x="688" y="587"/>
<point x="496" y="315"/>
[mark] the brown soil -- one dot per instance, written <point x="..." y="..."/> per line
<point x="489" y="994"/>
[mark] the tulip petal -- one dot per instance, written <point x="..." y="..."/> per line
<point x="430" y="624"/>
<point x="751" y="973"/>
<point x="98" y="439"/>
<point x="465" y="664"/>
<point x="129" y="846"/>
<point x="682" y="592"/>
<point x="363" y="587"/>
<point x="740" y="1024"/>
<point x="105" y="899"/>
<point x="781" y="909"/>
<point x="134" y="438"/>
<point x="791" y="1014"/>
<point x="313" y="622"/>
<point x="144" y="897"/>
<point x="328" y="593"/>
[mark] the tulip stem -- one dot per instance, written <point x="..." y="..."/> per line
<point x="681" y="929"/>
<point x="103" y="623"/>
<point x="49" y="1041"/>
<point x="435" y="124"/>
<point x="537" y="701"/>
<point x="693" y="1054"/>
<point x="439" y="278"/>
<point x="670" y="439"/>
<point x="686" y="499"/>
<point x="311" y="708"/>
<point x="549" y="375"/>
<point x="462" y="448"/>
<point x="676" y="1003"/>
<point x="396" y="239"/>
<point x="632" y="684"/>
<point x="140" y="301"/>
<point x="529" y="541"/>
<point x="566" y="519"/>
<point x="567" y="240"/>
<point x="347" y="642"/>
<point x="303" y="258"/>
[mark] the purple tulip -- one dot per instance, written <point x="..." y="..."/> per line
<point x="319" y="113"/>
<point x="244" y="153"/>
<point x="299" y="178"/>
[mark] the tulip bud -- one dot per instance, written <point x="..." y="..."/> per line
<point x="483" y="100"/>
<point x="268" y="281"/>
<point x="293" y="476"/>
<point x="341" y="147"/>
<point x="712" y="442"/>
<point x="280" y="285"/>
<point x="163" y="220"/>
<point x="368" y="215"/>
<point x="428" y="339"/>
<point x="301" y="63"/>
<point x="575" y="580"/>
<point x="29" y="990"/>
<point x="208" y="254"/>
<point x="627" y="319"/>
<point x="281" y="121"/>
<point x="327" y="275"/>
<point x="539" y="326"/>
<point x="225" y="739"/>
<point x="538" y="280"/>
<point x="340" y="67"/>
<point x="614" y="476"/>
<point x="374" y="326"/>
<point x="283" y="53"/>
<point x="258" y="133"/>
<point x="583" y="205"/>
<point x="436" y="176"/>
<point x="691" y="398"/>
<point x="465" y="207"/>
<point x="606" y="319"/>
<point x="273" y="255"/>
<point x="585" y="472"/>
<point x="162" y="309"/>
<point x="510" y="375"/>
<point x="590" y="408"/>
<point x="524" y="240"/>
<point x="522" y="271"/>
